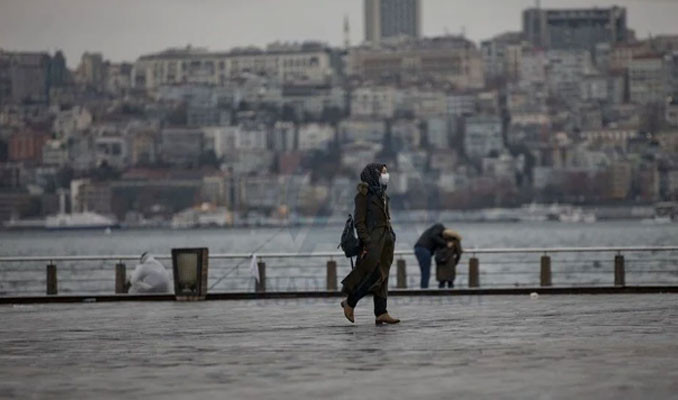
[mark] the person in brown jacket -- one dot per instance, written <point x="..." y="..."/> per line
<point x="447" y="259"/>
<point x="373" y="225"/>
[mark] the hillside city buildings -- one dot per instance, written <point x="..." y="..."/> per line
<point x="573" y="108"/>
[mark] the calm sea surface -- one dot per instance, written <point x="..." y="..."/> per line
<point x="308" y="274"/>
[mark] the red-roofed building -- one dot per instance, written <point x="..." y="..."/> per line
<point x="27" y="146"/>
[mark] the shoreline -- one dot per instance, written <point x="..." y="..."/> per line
<point x="566" y="214"/>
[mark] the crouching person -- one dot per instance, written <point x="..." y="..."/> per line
<point x="149" y="276"/>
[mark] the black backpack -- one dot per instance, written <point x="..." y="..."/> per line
<point x="350" y="244"/>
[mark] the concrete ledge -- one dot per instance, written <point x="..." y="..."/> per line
<point x="325" y="294"/>
<point x="81" y="298"/>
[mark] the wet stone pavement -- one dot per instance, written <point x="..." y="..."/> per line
<point x="553" y="347"/>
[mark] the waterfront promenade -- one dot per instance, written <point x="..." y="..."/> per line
<point x="602" y="346"/>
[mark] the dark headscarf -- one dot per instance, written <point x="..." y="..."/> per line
<point x="370" y="175"/>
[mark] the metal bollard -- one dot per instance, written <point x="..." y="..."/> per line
<point x="261" y="284"/>
<point x="545" y="275"/>
<point x="51" y="279"/>
<point x="120" y="278"/>
<point x="473" y="272"/>
<point x="401" y="278"/>
<point x="619" y="273"/>
<point x="331" y="275"/>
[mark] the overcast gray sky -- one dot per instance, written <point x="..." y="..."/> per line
<point x="124" y="29"/>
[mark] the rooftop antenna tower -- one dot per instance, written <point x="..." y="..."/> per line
<point x="347" y="33"/>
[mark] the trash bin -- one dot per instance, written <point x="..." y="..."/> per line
<point x="189" y="269"/>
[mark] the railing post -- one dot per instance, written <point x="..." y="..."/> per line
<point x="120" y="278"/>
<point x="261" y="284"/>
<point x="401" y="278"/>
<point x="545" y="275"/>
<point x="51" y="279"/>
<point x="331" y="275"/>
<point x="619" y="273"/>
<point x="473" y="272"/>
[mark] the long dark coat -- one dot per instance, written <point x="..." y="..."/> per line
<point x="373" y="224"/>
<point x="447" y="259"/>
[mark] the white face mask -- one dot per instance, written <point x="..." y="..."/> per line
<point x="383" y="179"/>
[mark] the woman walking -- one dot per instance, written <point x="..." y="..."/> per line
<point x="373" y="224"/>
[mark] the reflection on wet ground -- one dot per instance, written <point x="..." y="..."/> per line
<point x="517" y="347"/>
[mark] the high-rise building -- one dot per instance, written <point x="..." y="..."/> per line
<point x="24" y="77"/>
<point x="575" y="28"/>
<point x="92" y="69"/>
<point x="391" y="18"/>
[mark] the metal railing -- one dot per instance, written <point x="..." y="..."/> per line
<point x="338" y="254"/>
<point x="500" y="267"/>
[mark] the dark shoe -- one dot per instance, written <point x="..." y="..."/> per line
<point x="386" y="319"/>
<point x="348" y="311"/>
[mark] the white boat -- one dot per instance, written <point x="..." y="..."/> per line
<point x="577" y="215"/>
<point x="533" y="212"/>
<point x="205" y="215"/>
<point x="83" y="220"/>
<point x="64" y="220"/>
<point x="590" y="218"/>
<point x="657" y="220"/>
<point x="24" y="224"/>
